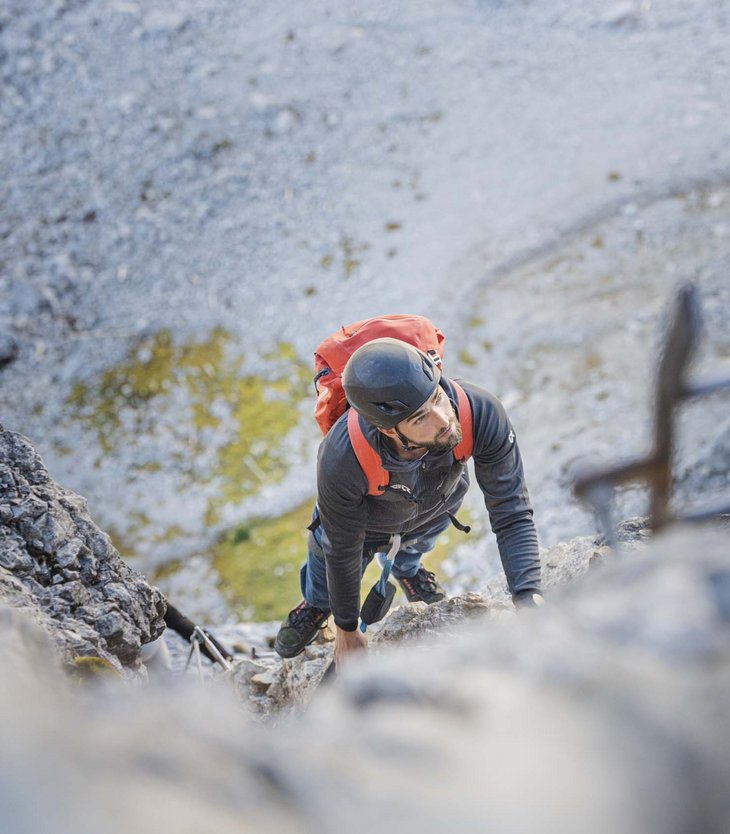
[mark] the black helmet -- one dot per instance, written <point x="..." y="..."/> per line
<point x="387" y="380"/>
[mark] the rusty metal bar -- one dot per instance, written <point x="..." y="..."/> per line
<point x="597" y="486"/>
<point x="701" y="387"/>
<point x="706" y="513"/>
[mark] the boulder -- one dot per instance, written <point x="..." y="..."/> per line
<point x="57" y="565"/>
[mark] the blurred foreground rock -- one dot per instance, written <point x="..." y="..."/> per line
<point x="58" y="566"/>
<point x="604" y="711"/>
<point x="270" y="685"/>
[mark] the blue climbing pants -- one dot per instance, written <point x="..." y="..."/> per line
<point x="313" y="575"/>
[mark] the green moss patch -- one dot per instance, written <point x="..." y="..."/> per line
<point x="86" y="667"/>
<point x="258" y="563"/>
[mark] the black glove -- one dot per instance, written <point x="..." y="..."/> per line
<point x="528" y="599"/>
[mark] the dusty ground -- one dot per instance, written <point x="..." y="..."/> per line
<point x="537" y="178"/>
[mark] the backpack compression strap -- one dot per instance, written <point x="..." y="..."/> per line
<point x="370" y="462"/>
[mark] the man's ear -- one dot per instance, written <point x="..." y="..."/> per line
<point x="388" y="432"/>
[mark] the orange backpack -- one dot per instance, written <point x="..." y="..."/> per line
<point x="330" y="359"/>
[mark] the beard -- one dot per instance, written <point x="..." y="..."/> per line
<point x="448" y="443"/>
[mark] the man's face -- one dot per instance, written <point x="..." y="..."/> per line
<point x="434" y="425"/>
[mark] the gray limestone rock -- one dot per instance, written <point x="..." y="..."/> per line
<point x="55" y="562"/>
<point x="291" y="684"/>
<point x="603" y="711"/>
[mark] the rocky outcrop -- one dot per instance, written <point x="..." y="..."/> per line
<point x="603" y="711"/>
<point x="272" y="686"/>
<point x="56" y="564"/>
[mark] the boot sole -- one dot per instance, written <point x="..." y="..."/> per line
<point x="288" y="652"/>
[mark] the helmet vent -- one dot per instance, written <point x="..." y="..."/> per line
<point x="393" y="407"/>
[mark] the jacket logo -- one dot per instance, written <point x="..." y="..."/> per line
<point x="402" y="488"/>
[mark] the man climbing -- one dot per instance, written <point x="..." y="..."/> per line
<point x="409" y="414"/>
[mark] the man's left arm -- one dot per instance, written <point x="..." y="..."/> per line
<point x="501" y="478"/>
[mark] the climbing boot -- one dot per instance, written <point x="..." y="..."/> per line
<point x="299" y="629"/>
<point x="423" y="587"/>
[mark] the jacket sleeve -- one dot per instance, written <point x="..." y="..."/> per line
<point x="341" y="491"/>
<point x="501" y="478"/>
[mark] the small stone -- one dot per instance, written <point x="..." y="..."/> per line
<point x="110" y="624"/>
<point x="262" y="681"/>
<point x="163" y="23"/>
<point x="67" y="555"/>
<point x="15" y="559"/>
<point x="124" y="8"/>
<point x="8" y="348"/>
<point x="716" y="199"/>
<point x="619" y="14"/>
<point x="285" y="121"/>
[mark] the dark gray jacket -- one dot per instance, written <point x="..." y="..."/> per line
<point x="435" y="486"/>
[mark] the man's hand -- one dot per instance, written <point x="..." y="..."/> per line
<point x="348" y="643"/>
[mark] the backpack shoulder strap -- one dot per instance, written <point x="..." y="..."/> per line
<point x="369" y="460"/>
<point x="378" y="477"/>
<point x="463" y="451"/>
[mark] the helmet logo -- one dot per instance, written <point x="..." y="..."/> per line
<point x="434" y="354"/>
<point x="511" y="437"/>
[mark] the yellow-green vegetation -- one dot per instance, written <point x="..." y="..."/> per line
<point x="150" y="466"/>
<point x="122" y="543"/>
<point x="88" y="667"/>
<point x="166" y="570"/>
<point x="258" y="562"/>
<point x="577" y="368"/>
<point x="466" y="358"/>
<point x="61" y="449"/>
<point x="251" y="413"/>
<point x="449" y="540"/>
<point x="350" y="255"/>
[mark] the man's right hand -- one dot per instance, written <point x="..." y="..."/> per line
<point x="348" y="643"/>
